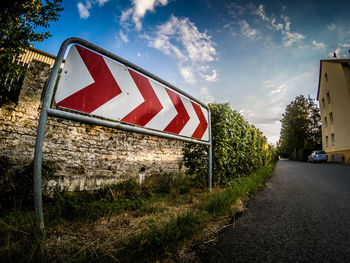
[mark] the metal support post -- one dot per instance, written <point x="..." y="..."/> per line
<point x="210" y="154"/>
<point x="38" y="154"/>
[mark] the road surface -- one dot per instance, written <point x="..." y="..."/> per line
<point x="302" y="215"/>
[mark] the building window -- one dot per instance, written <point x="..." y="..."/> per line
<point x="328" y="98"/>
<point x="331" y="117"/>
<point x="323" y="103"/>
<point x="325" y="122"/>
<point x="326" y="76"/>
<point x="326" y="141"/>
<point x="332" y="138"/>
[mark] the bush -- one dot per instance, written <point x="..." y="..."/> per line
<point x="169" y="184"/>
<point x="238" y="148"/>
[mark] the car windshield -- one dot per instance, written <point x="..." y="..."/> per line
<point x="320" y="152"/>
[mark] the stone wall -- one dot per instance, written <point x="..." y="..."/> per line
<point x="84" y="156"/>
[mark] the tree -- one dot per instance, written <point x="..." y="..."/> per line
<point x="22" y="22"/>
<point x="315" y="128"/>
<point x="301" y="126"/>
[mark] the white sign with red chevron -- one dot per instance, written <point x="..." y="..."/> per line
<point x="94" y="84"/>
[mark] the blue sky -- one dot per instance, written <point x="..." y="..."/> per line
<point x="256" y="55"/>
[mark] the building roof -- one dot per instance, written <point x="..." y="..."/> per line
<point x="342" y="61"/>
<point x="31" y="54"/>
<point x="42" y="52"/>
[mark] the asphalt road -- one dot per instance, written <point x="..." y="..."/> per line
<point x="302" y="215"/>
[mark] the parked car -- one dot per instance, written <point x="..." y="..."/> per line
<point x="318" y="157"/>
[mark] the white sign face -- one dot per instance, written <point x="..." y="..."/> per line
<point x="93" y="84"/>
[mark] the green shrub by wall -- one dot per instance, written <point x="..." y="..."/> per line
<point x="238" y="147"/>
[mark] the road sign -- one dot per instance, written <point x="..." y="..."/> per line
<point x="98" y="83"/>
<point x="95" y="84"/>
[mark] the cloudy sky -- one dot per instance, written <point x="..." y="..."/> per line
<point x="256" y="55"/>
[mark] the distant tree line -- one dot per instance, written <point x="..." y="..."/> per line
<point x="301" y="127"/>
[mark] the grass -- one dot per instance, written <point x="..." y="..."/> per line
<point x="219" y="202"/>
<point x="127" y="196"/>
<point x="161" y="240"/>
<point x="128" y="222"/>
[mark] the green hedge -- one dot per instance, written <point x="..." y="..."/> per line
<point x="238" y="147"/>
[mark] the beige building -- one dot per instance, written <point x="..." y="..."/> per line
<point x="36" y="54"/>
<point x="334" y="99"/>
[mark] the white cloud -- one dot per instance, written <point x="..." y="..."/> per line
<point x="278" y="26"/>
<point x="261" y="12"/>
<point x="101" y="2"/>
<point x="205" y="96"/>
<point x="235" y="9"/>
<point x="290" y="38"/>
<point x="123" y="37"/>
<point x="287" y="22"/>
<point x="210" y="77"/>
<point x="139" y="10"/>
<point x="84" y="7"/>
<point x="331" y="54"/>
<point x="246" y="30"/>
<point x="188" y="75"/>
<point x="125" y="16"/>
<point x="318" y="44"/>
<point x="277" y="90"/>
<point x="265" y="110"/>
<point x="332" y="27"/>
<point x="338" y="52"/>
<point x="193" y="50"/>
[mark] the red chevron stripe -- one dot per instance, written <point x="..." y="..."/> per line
<point x="149" y="108"/>
<point x="203" y="124"/>
<point x="96" y="94"/>
<point x="182" y="117"/>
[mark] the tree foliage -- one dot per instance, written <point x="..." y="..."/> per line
<point x="301" y="126"/>
<point x="238" y="148"/>
<point x="22" y="22"/>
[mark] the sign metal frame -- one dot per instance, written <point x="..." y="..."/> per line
<point x="47" y="110"/>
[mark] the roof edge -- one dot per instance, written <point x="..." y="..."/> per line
<point x="42" y="52"/>
<point x="342" y="60"/>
